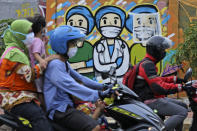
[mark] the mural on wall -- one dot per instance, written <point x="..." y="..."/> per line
<point x="110" y="51"/>
<point x="82" y="18"/>
<point x="144" y="22"/>
<point x="116" y="31"/>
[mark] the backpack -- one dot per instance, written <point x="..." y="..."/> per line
<point x="130" y="76"/>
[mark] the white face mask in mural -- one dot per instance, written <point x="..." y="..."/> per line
<point x="110" y="32"/>
<point x="29" y="39"/>
<point x="72" y="52"/>
<point x="83" y="30"/>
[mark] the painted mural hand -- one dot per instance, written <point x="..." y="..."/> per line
<point x="108" y="86"/>
<point x="100" y="48"/>
<point x="104" y="94"/>
<point x="114" y="65"/>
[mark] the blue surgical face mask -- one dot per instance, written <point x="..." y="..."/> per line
<point x="28" y="37"/>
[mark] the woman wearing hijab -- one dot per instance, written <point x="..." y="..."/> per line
<point x="17" y="91"/>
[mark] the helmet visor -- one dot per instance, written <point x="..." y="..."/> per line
<point x="166" y="44"/>
<point x="79" y="42"/>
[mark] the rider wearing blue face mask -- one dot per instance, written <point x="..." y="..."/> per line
<point x="61" y="82"/>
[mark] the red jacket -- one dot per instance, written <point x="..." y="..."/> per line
<point x="153" y="85"/>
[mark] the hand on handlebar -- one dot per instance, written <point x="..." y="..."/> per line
<point x="180" y="80"/>
<point x="189" y="88"/>
<point x="106" y="93"/>
<point x="106" y="86"/>
<point x="194" y="84"/>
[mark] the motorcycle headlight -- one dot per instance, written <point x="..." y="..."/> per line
<point x="152" y="129"/>
<point x="159" y="122"/>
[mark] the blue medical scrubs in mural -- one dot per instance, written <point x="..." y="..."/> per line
<point x="110" y="51"/>
<point x="81" y="18"/>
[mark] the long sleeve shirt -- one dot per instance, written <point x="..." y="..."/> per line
<point x="60" y="82"/>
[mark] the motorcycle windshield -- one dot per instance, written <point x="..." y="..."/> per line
<point x="126" y="90"/>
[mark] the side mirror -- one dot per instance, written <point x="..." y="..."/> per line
<point x="112" y="71"/>
<point x="188" y="74"/>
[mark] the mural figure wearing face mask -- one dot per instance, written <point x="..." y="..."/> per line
<point x="81" y="18"/>
<point x="110" y="51"/>
<point x="144" y="22"/>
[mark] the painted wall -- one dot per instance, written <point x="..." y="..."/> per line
<point x="117" y="31"/>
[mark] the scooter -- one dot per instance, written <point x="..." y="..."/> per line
<point x="15" y="122"/>
<point x="125" y="107"/>
<point x="191" y="93"/>
<point x="130" y="113"/>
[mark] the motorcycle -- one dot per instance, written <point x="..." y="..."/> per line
<point x="130" y="113"/>
<point x="191" y="93"/>
<point x="15" y="122"/>
<point x="124" y="107"/>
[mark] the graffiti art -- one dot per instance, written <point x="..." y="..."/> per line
<point x="117" y="31"/>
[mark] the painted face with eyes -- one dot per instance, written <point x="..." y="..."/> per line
<point x="145" y="26"/>
<point x="110" y="25"/>
<point x="78" y="21"/>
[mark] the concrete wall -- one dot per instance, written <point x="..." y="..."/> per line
<point x="18" y="9"/>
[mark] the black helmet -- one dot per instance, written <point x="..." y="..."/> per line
<point x="157" y="45"/>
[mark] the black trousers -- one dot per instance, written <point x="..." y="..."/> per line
<point x="74" y="120"/>
<point x="170" y="107"/>
<point x="34" y="114"/>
